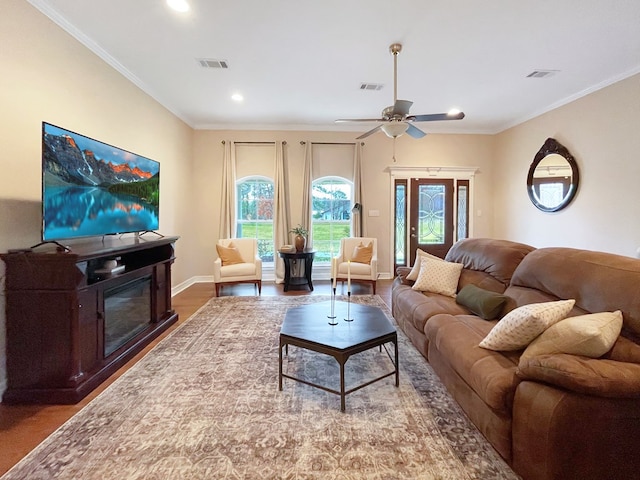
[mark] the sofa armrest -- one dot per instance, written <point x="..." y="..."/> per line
<point x="217" y="265"/>
<point x="401" y="273"/>
<point x="589" y="376"/>
<point x="566" y="435"/>
<point x="374" y="266"/>
<point x="258" y="262"/>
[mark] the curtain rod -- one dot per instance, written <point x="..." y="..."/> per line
<point x="302" y="142"/>
<point x="284" y="142"/>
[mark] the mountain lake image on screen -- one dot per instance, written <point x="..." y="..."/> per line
<point x="90" y="188"/>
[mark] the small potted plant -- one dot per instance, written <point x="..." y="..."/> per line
<point x="300" y="239"/>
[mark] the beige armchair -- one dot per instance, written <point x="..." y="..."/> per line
<point x="237" y="262"/>
<point x="355" y="249"/>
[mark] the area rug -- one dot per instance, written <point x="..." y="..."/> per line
<point x="205" y="404"/>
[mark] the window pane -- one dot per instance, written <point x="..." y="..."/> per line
<point x="331" y="216"/>
<point x="431" y="200"/>
<point x="255" y="214"/>
<point x="551" y="194"/>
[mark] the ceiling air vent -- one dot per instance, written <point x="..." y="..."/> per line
<point x="542" y="73"/>
<point x="212" y="63"/>
<point x="371" y="86"/>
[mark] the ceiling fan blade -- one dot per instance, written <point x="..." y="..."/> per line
<point x="370" y="132"/>
<point x="401" y="107"/>
<point x="414" y="131"/>
<point x="345" y="120"/>
<point x="434" y="117"/>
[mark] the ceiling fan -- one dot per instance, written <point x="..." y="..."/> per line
<point x="396" y="119"/>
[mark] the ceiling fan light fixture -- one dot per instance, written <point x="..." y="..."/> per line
<point x="397" y="119"/>
<point x="394" y="129"/>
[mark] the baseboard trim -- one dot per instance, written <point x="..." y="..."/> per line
<point x="191" y="281"/>
<point x="266" y="278"/>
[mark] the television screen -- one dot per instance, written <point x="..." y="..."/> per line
<point x="90" y="188"/>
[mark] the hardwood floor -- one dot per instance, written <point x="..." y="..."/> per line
<point x="23" y="427"/>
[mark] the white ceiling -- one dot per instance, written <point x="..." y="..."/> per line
<point x="299" y="64"/>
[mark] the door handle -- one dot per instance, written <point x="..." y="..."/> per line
<point x="413" y="235"/>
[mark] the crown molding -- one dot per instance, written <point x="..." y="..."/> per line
<point x="432" y="171"/>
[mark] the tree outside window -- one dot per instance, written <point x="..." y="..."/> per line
<point x="255" y="213"/>
<point x="331" y="219"/>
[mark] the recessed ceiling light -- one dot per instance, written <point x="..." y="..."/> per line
<point x="178" y="5"/>
<point x="236" y="97"/>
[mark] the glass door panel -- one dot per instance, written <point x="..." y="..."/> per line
<point x="462" y="211"/>
<point x="431" y="216"/>
<point x="400" y="223"/>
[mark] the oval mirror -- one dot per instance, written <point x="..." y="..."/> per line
<point x="553" y="177"/>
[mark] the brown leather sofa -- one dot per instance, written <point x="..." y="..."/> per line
<point x="554" y="416"/>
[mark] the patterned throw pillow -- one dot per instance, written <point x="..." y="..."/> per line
<point x="362" y="254"/>
<point x="519" y="327"/>
<point x="229" y="255"/>
<point x="438" y="276"/>
<point x="415" y="271"/>
<point x="590" y="335"/>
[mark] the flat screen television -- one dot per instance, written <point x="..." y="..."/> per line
<point x="90" y="188"/>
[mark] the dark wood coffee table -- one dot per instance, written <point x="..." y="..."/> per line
<point x="308" y="327"/>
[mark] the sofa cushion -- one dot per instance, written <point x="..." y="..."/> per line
<point x="417" y="307"/>
<point x="438" y="276"/>
<point x="493" y="257"/>
<point x="481" y="280"/>
<point x="415" y="270"/>
<point x="484" y="303"/>
<point x="491" y="375"/>
<point x="590" y="335"/>
<point x="358" y="270"/>
<point x="589" y="376"/>
<point x="238" y="270"/>
<point x="520" y="326"/>
<point x="624" y="350"/>
<point x="598" y="281"/>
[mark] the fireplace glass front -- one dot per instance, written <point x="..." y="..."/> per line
<point x="127" y="312"/>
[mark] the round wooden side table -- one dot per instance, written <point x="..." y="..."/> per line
<point x="297" y="268"/>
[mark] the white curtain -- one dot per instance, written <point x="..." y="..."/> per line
<point x="228" y="200"/>
<point x="358" y="214"/>
<point x="307" y="192"/>
<point x="280" y="211"/>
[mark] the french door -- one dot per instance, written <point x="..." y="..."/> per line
<point x="430" y="214"/>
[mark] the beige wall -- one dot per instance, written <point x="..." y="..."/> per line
<point x="601" y="131"/>
<point x="49" y="76"/>
<point x="434" y="150"/>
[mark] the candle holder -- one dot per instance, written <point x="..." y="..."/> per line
<point x="349" y="318"/>
<point x="332" y="315"/>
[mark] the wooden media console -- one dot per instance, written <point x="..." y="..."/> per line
<point x="74" y="317"/>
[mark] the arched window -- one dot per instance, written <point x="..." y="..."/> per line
<point x="331" y="215"/>
<point x="255" y="213"/>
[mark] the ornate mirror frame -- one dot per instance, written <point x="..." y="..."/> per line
<point x="551" y="147"/>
